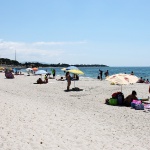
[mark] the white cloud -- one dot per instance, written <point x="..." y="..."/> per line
<point x="58" y="43"/>
<point x="49" y="52"/>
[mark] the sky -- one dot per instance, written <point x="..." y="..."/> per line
<point x="109" y="32"/>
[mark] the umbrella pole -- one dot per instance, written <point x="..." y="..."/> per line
<point x="121" y="88"/>
<point x="74" y="84"/>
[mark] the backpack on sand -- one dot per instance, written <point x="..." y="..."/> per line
<point x="120" y="99"/>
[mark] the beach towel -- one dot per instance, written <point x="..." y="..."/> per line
<point x="139" y="107"/>
<point x="135" y="102"/>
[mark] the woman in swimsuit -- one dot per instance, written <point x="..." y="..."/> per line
<point x="68" y="77"/>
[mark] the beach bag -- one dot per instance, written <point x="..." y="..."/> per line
<point x="113" y="101"/>
<point x="120" y="99"/>
<point x="135" y="102"/>
<point x="139" y="107"/>
<point x="114" y="95"/>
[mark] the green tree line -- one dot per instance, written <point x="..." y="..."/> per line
<point x="6" y="61"/>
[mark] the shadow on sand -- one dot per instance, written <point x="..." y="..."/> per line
<point x="76" y="89"/>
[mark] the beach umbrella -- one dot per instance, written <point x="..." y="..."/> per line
<point x="63" y="69"/>
<point x="72" y="68"/>
<point x="77" y="72"/>
<point x="122" y="79"/>
<point x="29" y="69"/>
<point x="40" y="72"/>
<point x="131" y="78"/>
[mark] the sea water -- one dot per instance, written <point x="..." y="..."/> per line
<point x="93" y="72"/>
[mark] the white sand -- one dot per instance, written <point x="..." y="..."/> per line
<point x="45" y="117"/>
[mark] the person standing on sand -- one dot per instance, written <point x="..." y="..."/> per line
<point x="53" y="73"/>
<point x="68" y="77"/>
<point x="106" y="74"/>
<point x="101" y="74"/>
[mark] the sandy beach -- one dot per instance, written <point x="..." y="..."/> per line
<point x="45" y="117"/>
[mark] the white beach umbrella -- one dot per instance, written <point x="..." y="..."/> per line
<point x="63" y="69"/>
<point x="28" y="69"/>
<point x="122" y="79"/>
<point x="40" y="72"/>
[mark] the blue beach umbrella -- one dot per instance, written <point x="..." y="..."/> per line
<point x="72" y="68"/>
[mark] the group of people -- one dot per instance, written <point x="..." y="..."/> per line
<point x="53" y="74"/>
<point x="141" y="80"/>
<point x="68" y="78"/>
<point x="119" y="96"/>
<point x="100" y="75"/>
<point x="46" y="77"/>
<point x="40" y="81"/>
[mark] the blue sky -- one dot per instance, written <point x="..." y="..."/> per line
<point x="110" y="32"/>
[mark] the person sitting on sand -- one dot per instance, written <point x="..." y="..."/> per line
<point x="130" y="98"/>
<point x="39" y="81"/>
<point x="75" y="77"/>
<point x="48" y="74"/>
<point x="147" y="81"/>
<point x="46" y="78"/>
<point x="61" y="79"/>
<point x="8" y="74"/>
<point x="140" y="80"/>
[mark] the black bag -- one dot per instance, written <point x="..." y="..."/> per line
<point x="120" y="99"/>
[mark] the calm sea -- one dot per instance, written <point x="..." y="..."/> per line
<point x="93" y="72"/>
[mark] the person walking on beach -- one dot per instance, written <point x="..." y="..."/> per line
<point x="68" y="77"/>
<point x="101" y="74"/>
